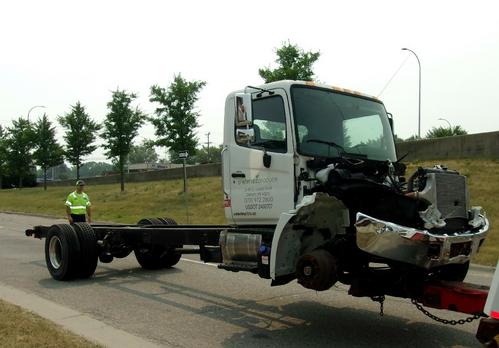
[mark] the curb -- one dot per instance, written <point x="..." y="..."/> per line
<point x="482" y="268"/>
<point x="79" y="323"/>
<point x="32" y="214"/>
<point x="46" y="216"/>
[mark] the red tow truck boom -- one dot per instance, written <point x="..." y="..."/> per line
<point x="478" y="300"/>
<point x="456" y="296"/>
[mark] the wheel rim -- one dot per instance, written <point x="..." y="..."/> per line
<point x="55" y="252"/>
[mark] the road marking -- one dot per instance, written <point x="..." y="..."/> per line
<point x="200" y="262"/>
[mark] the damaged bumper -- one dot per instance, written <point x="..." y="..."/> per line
<point x="414" y="246"/>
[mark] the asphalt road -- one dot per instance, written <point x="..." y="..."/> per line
<point x="197" y="305"/>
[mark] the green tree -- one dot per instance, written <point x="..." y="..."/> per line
<point x="3" y="155"/>
<point x="96" y="168"/>
<point x="62" y="172"/>
<point x="120" y="128"/>
<point x="20" y="143"/>
<point x="48" y="153"/>
<point x="213" y="155"/>
<point x="176" y="120"/>
<point x="143" y="153"/>
<point x="59" y="172"/>
<point x="439" y="132"/>
<point x="293" y="64"/>
<point x="81" y="133"/>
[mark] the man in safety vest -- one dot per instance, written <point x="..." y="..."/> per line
<point x="78" y="205"/>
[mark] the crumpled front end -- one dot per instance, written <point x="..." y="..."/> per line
<point x="418" y="247"/>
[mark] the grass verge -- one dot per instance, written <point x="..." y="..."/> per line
<point x="202" y="204"/>
<point x="20" y="328"/>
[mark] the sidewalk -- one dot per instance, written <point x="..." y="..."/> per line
<point x="74" y="321"/>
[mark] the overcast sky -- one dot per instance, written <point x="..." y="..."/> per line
<point x="55" y="53"/>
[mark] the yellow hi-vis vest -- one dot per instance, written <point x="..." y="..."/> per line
<point x="78" y="202"/>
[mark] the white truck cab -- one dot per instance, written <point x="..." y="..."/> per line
<point x="272" y="131"/>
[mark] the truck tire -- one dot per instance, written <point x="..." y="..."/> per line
<point x="170" y="221"/>
<point x="153" y="257"/>
<point x="88" y="249"/>
<point x="150" y="221"/>
<point x="62" y="252"/>
<point x="455" y="272"/>
<point x="167" y="221"/>
<point x="156" y="257"/>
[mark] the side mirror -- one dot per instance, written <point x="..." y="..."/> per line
<point x="245" y="135"/>
<point x="243" y="109"/>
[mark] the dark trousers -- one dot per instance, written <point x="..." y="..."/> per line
<point x="79" y="217"/>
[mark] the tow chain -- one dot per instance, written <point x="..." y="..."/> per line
<point x="445" y="321"/>
<point x="381" y="300"/>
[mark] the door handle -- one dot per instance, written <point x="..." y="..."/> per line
<point x="238" y="175"/>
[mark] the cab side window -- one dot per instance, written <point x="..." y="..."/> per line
<point x="269" y="124"/>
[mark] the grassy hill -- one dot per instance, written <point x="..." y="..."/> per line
<point x="205" y="200"/>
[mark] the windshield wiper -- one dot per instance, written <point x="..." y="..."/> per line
<point x="353" y="154"/>
<point x="330" y="143"/>
<point x="341" y="149"/>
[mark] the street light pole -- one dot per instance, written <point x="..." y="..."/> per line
<point x="419" y="110"/>
<point x="208" y="143"/>
<point x="36" y="106"/>
<point x="443" y="119"/>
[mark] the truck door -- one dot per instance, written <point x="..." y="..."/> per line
<point x="261" y="166"/>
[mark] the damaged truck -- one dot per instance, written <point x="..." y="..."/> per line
<point x="313" y="191"/>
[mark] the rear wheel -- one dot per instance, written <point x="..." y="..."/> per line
<point x="167" y="221"/>
<point x="62" y="252"/>
<point x="154" y="257"/>
<point x="88" y="247"/>
<point x="150" y="221"/>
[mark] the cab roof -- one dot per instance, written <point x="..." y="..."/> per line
<point x="288" y="83"/>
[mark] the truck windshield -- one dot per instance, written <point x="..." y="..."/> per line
<point x="331" y="124"/>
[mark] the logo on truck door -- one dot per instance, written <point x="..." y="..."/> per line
<point x="257" y="193"/>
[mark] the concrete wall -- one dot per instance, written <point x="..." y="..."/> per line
<point x="481" y="145"/>
<point x="203" y="170"/>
